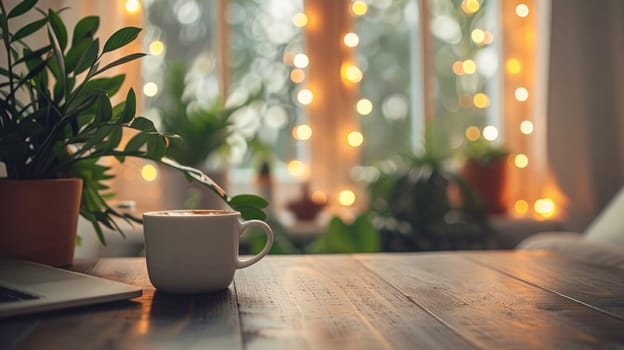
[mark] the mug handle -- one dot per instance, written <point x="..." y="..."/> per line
<point x="245" y="225"/>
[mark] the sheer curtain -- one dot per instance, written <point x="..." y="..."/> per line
<point x="586" y="104"/>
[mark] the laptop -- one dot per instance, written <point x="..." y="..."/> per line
<point x="28" y="287"/>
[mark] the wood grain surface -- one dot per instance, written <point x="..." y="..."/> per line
<point x="487" y="300"/>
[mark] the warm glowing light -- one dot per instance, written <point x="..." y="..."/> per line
<point x="513" y="66"/>
<point x="297" y="168"/>
<point x="351" y="39"/>
<point x="297" y="75"/>
<point x="458" y="68"/>
<point x="355" y="139"/>
<point x="521" y="161"/>
<point x="133" y="6"/>
<point x="473" y="133"/>
<point x="351" y="73"/>
<point x="150" y="89"/>
<point x="545" y="207"/>
<point x="300" y="20"/>
<point x="522" y="10"/>
<point x="521" y="94"/>
<point x="288" y="58"/>
<point x="364" y="106"/>
<point x="490" y="133"/>
<point x="469" y="66"/>
<point x="156" y="47"/>
<point x="478" y="36"/>
<point x="481" y="100"/>
<point x="302" y="132"/>
<point x="521" y="206"/>
<point x="470" y="6"/>
<point x="149" y="172"/>
<point x="301" y="60"/>
<point x="359" y="8"/>
<point x="319" y="197"/>
<point x="305" y="96"/>
<point x="489" y="37"/>
<point x="526" y="127"/>
<point x="346" y="198"/>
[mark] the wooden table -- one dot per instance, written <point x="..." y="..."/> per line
<point x="488" y="300"/>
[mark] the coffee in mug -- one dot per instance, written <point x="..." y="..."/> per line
<point x="196" y="251"/>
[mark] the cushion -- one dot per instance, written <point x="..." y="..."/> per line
<point x="575" y="246"/>
<point x="608" y="226"/>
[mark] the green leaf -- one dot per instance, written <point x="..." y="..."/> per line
<point x="122" y="60"/>
<point x="28" y="55"/>
<point x="121" y="38"/>
<point x="59" y="29"/>
<point x="129" y="110"/>
<point x="29" y="29"/>
<point x="85" y="28"/>
<point x="156" y="146"/>
<point x="88" y="57"/>
<point x="104" y="111"/>
<point x="251" y="213"/>
<point x="248" y="200"/>
<point x="136" y="142"/>
<point x="110" y="85"/>
<point x="143" y="124"/>
<point x="74" y="53"/>
<point x="22" y="8"/>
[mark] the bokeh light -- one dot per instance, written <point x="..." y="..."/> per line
<point x="301" y="60"/>
<point x="521" y="94"/>
<point x="150" y="89"/>
<point x="470" y="6"/>
<point x="481" y="100"/>
<point x="522" y="10"/>
<point x="477" y="36"/>
<point x="513" y="66"/>
<point x="473" y="133"/>
<point x="302" y="132"/>
<point x="359" y="8"/>
<point x="305" y="96"/>
<point x="156" y="47"/>
<point x="355" y="139"/>
<point x="469" y="66"/>
<point x="297" y="168"/>
<point x="346" y="198"/>
<point x="364" y="106"/>
<point x="545" y="207"/>
<point x="297" y="75"/>
<point x="521" y="206"/>
<point x="521" y="160"/>
<point x="526" y="127"/>
<point x="351" y="39"/>
<point x="490" y="133"/>
<point x="351" y="73"/>
<point x="300" y="20"/>
<point x="149" y="172"/>
<point x="458" y="67"/>
<point x="132" y="6"/>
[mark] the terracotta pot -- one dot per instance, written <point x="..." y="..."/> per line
<point x="488" y="180"/>
<point x="39" y="218"/>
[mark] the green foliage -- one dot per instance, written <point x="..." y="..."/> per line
<point x="484" y="151"/>
<point x="56" y="115"/>
<point x="340" y="237"/>
<point x="203" y="129"/>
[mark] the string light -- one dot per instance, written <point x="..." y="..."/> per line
<point x="302" y="132"/>
<point x="355" y="139"/>
<point x="521" y="206"/>
<point x="478" y="36"/>
<point x="297" y="75"/>
<point x="351" y="39"/>
<point x="132" y="6"/>
<point x="346" y="198"/>
<point x="522" y="10"/>
<point x="490" y="133"/>
<point x="301" y="60"/>
<point x="526" y="127"/>
<point x="469" y="67"/>
<point x="521" y="94"/>
<point x="545" y="207"/>
<point x="300" y="20"/>
<point x="305" y="96"/>
<point x="473" y="133"/>
<point x="351" y="73"/>
<point x="481" y="100"/>
<point x="156" y="47"/>
<point x="513" y="66"/>
<point x="521" y="160"/>
<point x="458" y="68"/>
<point x="364" y="106"/>
<point x="470" y="6"/>
<point x="297" y="168"/>
<point x="149" y="172"/>
<point x="150" y="89"/>
<point x="359" y="8"/>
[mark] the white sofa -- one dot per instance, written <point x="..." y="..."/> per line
<point x="602" y="242"/>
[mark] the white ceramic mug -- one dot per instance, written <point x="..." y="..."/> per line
<point x="196" y="251"/>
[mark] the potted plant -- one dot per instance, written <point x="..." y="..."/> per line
<point x="484" y="168"/>
<point x="57" y="122"/>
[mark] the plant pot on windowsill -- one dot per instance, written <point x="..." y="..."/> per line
<point x="39" y="219"/>
<point x="488" y="181"/>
